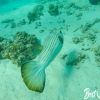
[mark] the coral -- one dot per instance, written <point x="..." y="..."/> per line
<point x="3" y="45"/>
<point x="53" y="10"/>
<point x="23" y="48"/>
<point x="36" y="13"/>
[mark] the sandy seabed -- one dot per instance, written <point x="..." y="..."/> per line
<point x="63" y="80"/>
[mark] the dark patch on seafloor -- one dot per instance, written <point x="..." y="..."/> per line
<point x="94" y="2"/>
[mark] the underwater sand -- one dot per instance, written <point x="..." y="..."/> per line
<point x="63" y="81"/>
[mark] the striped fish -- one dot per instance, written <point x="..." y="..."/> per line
<point x="33" y="72"/>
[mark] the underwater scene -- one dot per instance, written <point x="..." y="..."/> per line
<point x="49" y="49"/>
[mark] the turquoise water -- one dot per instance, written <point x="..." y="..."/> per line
<point x="49" y="49"/>
<point x="9" y="5"/>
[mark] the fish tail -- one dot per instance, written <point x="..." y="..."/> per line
<point x="33" y="75"/>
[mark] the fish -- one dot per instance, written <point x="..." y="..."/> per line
<point x="33" y="72"/>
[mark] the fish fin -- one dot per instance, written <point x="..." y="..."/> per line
<point x="34" y="76"/>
